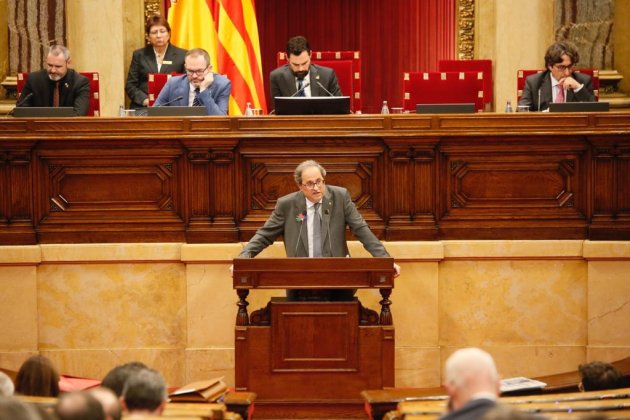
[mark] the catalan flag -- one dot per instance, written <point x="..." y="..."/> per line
<point x="228" y="30"/>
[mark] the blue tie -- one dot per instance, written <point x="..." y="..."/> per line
<point x="301" y="87"/>
<point x="196" y="101"/>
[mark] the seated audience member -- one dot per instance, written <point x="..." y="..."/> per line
<point x="144" y="394"/>
<point x="472" y="384"/>
<point x="57" y="85"/>
<point x="300" y="77"/>
<point x="198" y="87"/>
<point x="158" y="57"/>
<point x="14" y="409"/>
<point x="109" y="401"/>
<point x="558" y="82"/>
<point x="37" y="377"/>
<point x="116" y="378"/>
<point x="6" y="385"/>
<point x="599" y="376"/>
<point x="79" y="405"/>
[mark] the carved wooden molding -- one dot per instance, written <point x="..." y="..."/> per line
<point x="152" y="7"/>
<point x="465" y="29"/>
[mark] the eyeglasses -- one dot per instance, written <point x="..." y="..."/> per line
<point x="562" y="67"/>
<point x="311" y="185"/>
<point x="196" y="72"/>
<point x="158" y="31"/>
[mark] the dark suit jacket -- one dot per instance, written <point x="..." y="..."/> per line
<point x="142" y="63"/>
<point x="542" y="81"/>
<point x="74" y="91"/>
<point x="338" y="211"/>
<point x="283" y="81"/>
<point x="215" y="98"/>
<point x="472" y="410"/>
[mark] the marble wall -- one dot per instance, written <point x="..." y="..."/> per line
<point x="540" y="307"/>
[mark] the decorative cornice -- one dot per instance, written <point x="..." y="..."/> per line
<point x="465" y="29"/>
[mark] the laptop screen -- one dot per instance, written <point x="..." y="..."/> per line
<point x="463" y="108"/>
<point x="43" y="111"/>
<point x="314" y="105"/>
<point x="579" y="107"/>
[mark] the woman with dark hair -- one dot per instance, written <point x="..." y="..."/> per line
<point x="37" y="377"/>
<point x="159" y="56"/>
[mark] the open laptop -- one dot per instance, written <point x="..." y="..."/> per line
<point x="463" y="108"/>
<point x="579" y="107"/>
<point x="312" y="105"/>
<point x="177" y="111"/>
<point x="43" y="111"/>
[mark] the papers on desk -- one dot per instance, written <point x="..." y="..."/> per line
<point x="520" y="383"/>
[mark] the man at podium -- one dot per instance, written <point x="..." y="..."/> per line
<point x="313" y="222"/>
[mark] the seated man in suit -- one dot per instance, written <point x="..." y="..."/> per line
<point x="472" y="383"/>
<point x="57" y="85"/>
<point x="558" y="83"/>
<point x="299" y="77"/>
<point x="198" y="87"/>
<point x="313" y="223"/>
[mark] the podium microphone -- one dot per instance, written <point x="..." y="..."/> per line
<point x="179" y="98"/>
<point x="300" y="90"/>
<point x="538" y="99"/>
<point x="21" y="102"/>
<point x="322" y="86"/>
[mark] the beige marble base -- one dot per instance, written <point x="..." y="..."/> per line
<point x="540" y="307"/>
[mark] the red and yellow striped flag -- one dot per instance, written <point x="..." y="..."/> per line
<point x="228" y="30"/>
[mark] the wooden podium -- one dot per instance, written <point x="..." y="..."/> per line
<point x="294" y="352"/>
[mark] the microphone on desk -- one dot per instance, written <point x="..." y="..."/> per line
<point x="300" y="90"/>
<point x="538" y="99"/>
<point x="322" y="86"/>
<point x="21" y="102"/>
<point x="179" y="98"/>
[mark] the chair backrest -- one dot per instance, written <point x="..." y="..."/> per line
<point x="156" y="83"/>
<point x="484" y="66"/>
<point x="94" y="108"/>
<point x="442" y="88"/>
<point x="521" y="75"/>
<point x="347" y="66"/>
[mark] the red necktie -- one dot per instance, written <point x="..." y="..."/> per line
<point x="560" y="94"/>
<point x="56" y="95"/>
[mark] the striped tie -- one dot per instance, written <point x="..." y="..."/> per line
<point x="196" y="101"/>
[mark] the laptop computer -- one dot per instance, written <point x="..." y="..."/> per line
<point x="463" y="108"/>
<point x="43" y="111"/>
<point x="312" y="105"/>
<point x="579" y="107"/>
<point x="177" y="111"/>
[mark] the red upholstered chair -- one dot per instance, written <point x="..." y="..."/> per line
<point x="155" y="84"/>
<point x="347" y="66"/>
<point x="484" y="66"/>
<point x="94" y="109"/>
<point x="443" y="88"/>
<point x="521" y="75"/>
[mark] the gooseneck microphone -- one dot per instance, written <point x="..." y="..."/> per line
<point x="322" y="86"/>
<point x="300" y="90"/>
<point x="21" y="102"/>
<point x="327" y="212"/>
<point x="179" y="98"/>
<point x="538" y="100"/>
<point x="297" y="244"/>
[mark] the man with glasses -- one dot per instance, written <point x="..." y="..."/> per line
<point x="313" y="223"/>
<point x="198" y="87"/>
<point x="558" y="83"/>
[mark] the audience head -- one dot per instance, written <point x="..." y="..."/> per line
<point x="310" y="177"/>
<point x="37" y="377"/>
<point x="144" y="392"/>
<point x="6" y="385"/>
<point x="109" y="401"/>
<point x="57" y="62"/>
<point x="504" y="412"/>
<point x="469" y="372"/>
<point x="14" y="409"/>
<point x="560" y="58"/>
<point x="599" y="376"/>
<point x="116" y="378"/>
<point x="157" y="30"/>
<point x="197" y="64"/>
<point x="78" y="405"/>
<point x="299" y="56"/>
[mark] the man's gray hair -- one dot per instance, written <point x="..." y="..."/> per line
<point x="144" y="390"/>
<point x="297" y="175"/>
<point x="195" y="52"/>
<point x="469" y="362"/>
<point x="59" y="50"/>
<point x="6" y="385"/>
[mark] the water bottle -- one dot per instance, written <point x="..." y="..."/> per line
<point x="508" y="106"/>
<point x="121" y="111"/>
<point x="384" y="108"/>
<point x="248" y="110"/>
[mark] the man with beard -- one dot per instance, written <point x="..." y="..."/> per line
<point x="57" y="85"/>
<point x="299" y="77"/>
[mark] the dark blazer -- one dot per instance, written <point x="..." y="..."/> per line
<point x="215" y="98"/>
<point x="472" y="410"/>
<point x="338" y="211"/>
<point x="283" y="81"/>
<point x="542" y="82"/>
<point x="142" y="63"/>
<point x="74" y="91"/>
